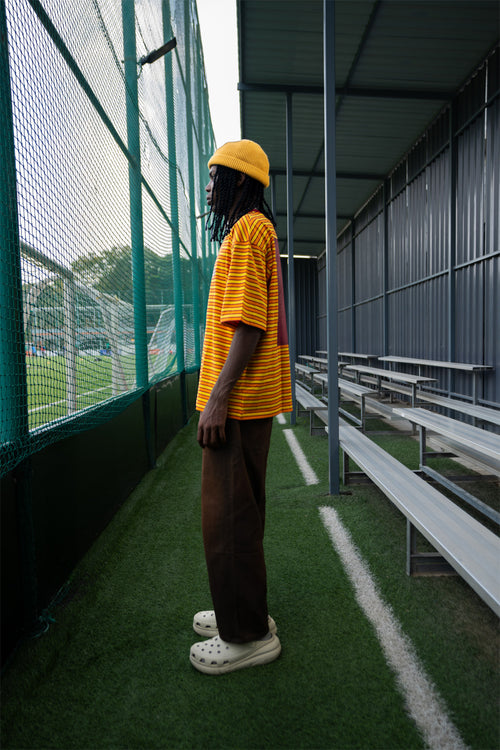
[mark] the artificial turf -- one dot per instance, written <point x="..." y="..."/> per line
<point x="113" y="669"/>
<point x="46" y="382"/>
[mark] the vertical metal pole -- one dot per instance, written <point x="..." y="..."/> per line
<point x="385" y="312"/>
<point x="410" y="546"/>
<point x="212" y="245"/>
<point x="117" y="374"/>
<point x="452" y="247"/>
<point x="331" y="242"/>
<point x="136" y="218"/>
<point x="14" y="426"/>
<point x="353" y="288"/>
<point x="202" y="172"/>
<point x="292" y="331"/>
<point x="135" y="189"/>
<point x="273" y="194"/>
<point x="423" y="445"/>
<point x="174" y="204"/>
<point x="69" y="297"/>
<point x="192" y="191"/>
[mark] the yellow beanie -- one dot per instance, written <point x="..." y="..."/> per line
<point x="243" y="156"/>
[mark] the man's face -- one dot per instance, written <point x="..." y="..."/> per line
<point x="209" y="189"/>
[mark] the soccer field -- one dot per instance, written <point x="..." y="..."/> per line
<point x="47" y="384"/>
<point x="47" y="381"/>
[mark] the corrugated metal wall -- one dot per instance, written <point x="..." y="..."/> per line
<point x="418" y="268"/>
<point x="306" y="303"/>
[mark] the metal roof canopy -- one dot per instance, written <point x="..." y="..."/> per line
<point x="393" y="65"/>
<point x="397" y="64"/>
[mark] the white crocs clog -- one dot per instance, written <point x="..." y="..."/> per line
<point x="205" y="623"/>
<point x="216" y="656"/>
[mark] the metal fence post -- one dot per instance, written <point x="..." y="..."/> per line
<point x="192" y="191"/>
<point x="174" y="204"/>
<point x="201" y="171"/>
<point x="13" y="387"/>
<point x="136" y="216"/>
<point x="135" y="189"/>
<point x="69" y="297"/>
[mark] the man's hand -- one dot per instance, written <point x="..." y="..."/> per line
<point x="212" y="423"/>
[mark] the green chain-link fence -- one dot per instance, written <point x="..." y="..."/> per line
<point x="104" y="264"/>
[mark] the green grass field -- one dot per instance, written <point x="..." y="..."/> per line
<point x="113" y="669"/>
<point x="47" y="387"/>
<point x="47" y="391"/>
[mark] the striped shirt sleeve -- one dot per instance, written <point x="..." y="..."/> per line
<point x="245" y="294"/>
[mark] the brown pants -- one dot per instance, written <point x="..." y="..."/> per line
<point x="233" y="504"/>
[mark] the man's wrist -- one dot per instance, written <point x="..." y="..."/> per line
<point x="221" y="392"/>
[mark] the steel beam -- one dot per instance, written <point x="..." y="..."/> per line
<point x="349" y="91"/>
<point x="320" y="174"/>
<point x="452" y="246"/>
<point x="331" y="243"/>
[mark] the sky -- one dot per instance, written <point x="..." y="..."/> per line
<point x="220" y="50"/>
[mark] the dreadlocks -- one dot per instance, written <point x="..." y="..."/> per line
<point x="221" y="219"/>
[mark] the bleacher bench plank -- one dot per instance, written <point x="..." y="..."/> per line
<point x="399" y="377"/>
<point x="383" y="378"/>
<point x="464" y="366"/>
<point x="484" y="413"/>
<point x="322" y="379"/>
<point x="476" y="370"/>
<point x="483" y="444"/>
<point x="308" y="402"/>
<point x="357" y="355"/>
<point x="426" y="398"/>
<point x="358" y="393"/>
<point x="354" y="389"/>
<point x="306" y="371"/>
<point x="468" y="546"/>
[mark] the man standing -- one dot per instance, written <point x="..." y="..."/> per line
<point x="244" y="383"/>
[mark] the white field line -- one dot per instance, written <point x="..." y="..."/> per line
<point x="423" y="702"/>
<point x="308" y="472"/>
<point x="64" y="400"/>
<point x="281" y="419"/>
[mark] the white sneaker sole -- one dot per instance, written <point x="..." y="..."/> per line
<point x="216" y="656"/>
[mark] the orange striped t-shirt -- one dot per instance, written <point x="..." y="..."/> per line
<point x="247" y="288"/>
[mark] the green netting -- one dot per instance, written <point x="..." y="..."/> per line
<point x="104" y="262"/>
